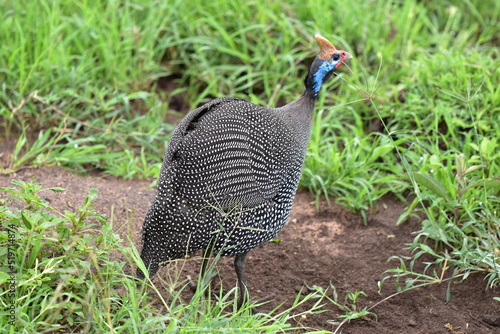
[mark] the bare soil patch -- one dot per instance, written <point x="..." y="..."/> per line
<point x="317" y="247"/>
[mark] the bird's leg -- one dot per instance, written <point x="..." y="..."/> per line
<point x="239" y="266"/>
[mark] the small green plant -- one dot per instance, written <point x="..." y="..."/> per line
<point x="459" y="199"/>
<point x="35" y="153"/>
<point x="461" y="206"/>
<point x="349" y="305"/>
<point x="347" y="164"/>
<point x="129" y="165"/>
<point x="52" y="255"/>
<point x="407" y="278"/>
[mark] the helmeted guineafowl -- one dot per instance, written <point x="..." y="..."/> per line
<point x="230" y="174"/>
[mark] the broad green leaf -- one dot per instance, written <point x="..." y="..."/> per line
<point x="492" y="184"/>
<point x="488" y="146"/>
<point x="34" y="252"/>
<point x="26" y="221"/>
<point x="431" y="183"/>
<point x="3" y="277"/>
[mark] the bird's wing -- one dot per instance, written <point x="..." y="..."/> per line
<point x="229" y="152"/>
<point x="191" y="120"/>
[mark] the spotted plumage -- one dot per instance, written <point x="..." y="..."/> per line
<point x="230" y="175"/>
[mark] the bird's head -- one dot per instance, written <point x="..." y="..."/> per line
<point x="326" y="62"/>
<point x="329" y="54"/>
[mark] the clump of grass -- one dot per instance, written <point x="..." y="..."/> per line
<point x="458" y="192"/>
<point x="460" y="203"/>
<point x="62" y="271"/>
<point x="344" y="163"/>
<point x="349" y="306"/>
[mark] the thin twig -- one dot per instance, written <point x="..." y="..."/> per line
<point x="57" y="110"/>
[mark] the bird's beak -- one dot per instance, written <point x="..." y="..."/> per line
<point x="345" y="56"/>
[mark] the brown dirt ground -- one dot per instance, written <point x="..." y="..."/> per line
<point x="321" y="247"/>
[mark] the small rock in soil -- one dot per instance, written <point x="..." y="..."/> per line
<point x="493" y="320"/>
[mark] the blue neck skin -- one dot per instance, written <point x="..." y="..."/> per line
<point x="319" y="72"/>
<point x="319" y="77"/>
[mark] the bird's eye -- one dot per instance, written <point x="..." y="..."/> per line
<point x="336" y="56"/>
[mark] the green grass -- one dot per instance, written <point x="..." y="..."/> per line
<point x="414" y="114"/>
<point x="68" y="278"/>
